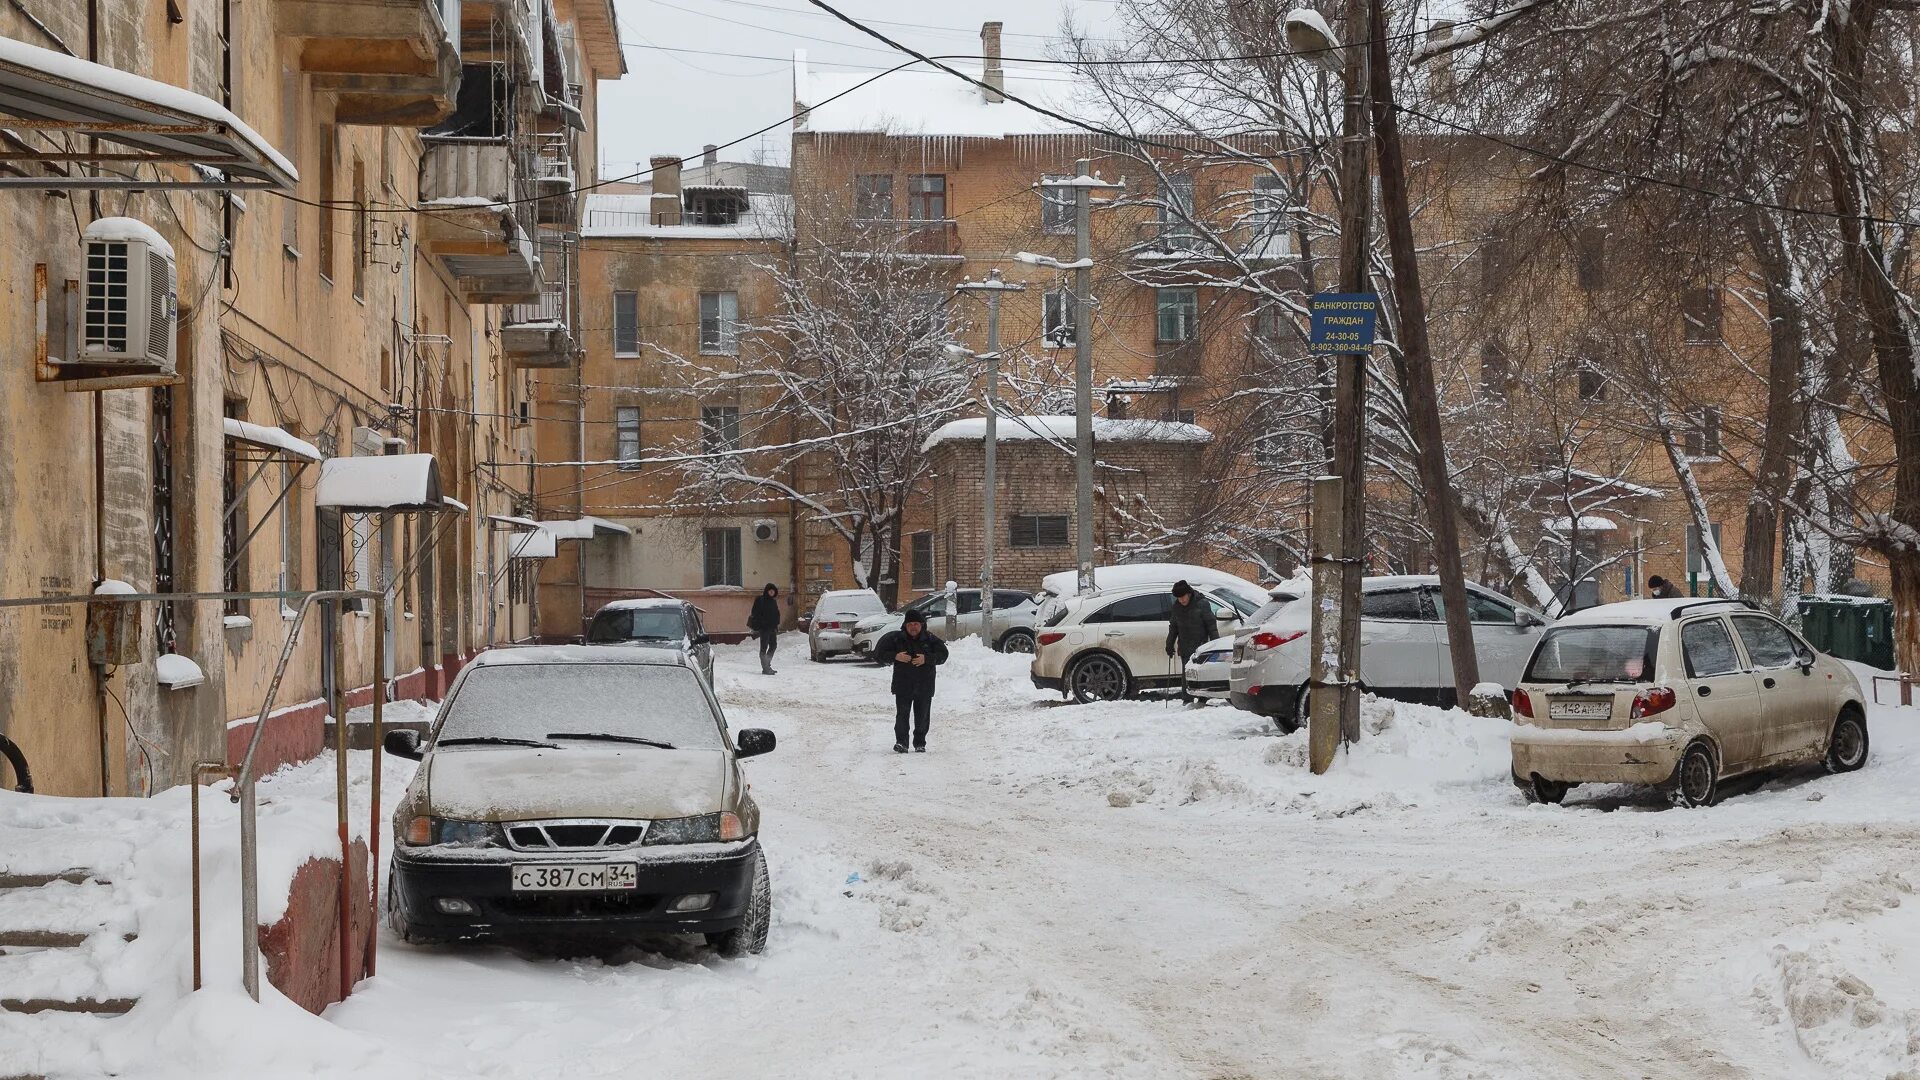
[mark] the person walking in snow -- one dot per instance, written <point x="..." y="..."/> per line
<point x="916" y="652"/>
<point x="1660" y="588"/>
<point x="764" y="622"/>
<point x="1190" y="624"/>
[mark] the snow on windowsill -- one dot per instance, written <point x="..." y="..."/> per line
<point x="114" y="587"/>
<point x="177" y="672"/>
<point x="237" y="622"/>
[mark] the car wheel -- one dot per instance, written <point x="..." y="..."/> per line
<point x="750" y="937"/>
<point x="1541" y="790"/>
<point x="813" y="653"/>
<point x="1696" y="781"/>
<point x="1017" y="641"/>
<point x="1099" y="677"/>
<point x="1847" y="746"/>
<point x="396" y="922"/>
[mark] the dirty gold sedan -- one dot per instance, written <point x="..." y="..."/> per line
<point x="584" y="793"/>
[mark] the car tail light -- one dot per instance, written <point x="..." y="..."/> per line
<point x="828" y="625"/>
<point x="1653" y="701"/>
<point x="1050" y="638"/>
<point x="1522" y="704"/>
<point x="1266" y="639"/>
<point x="1254" y="691"/>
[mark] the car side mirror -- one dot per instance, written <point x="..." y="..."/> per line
<point x="403" y="742"/>
<point x="702" y="639"/>
<point x="1524" y="620"/>
<point x="753" y="741"/>
<point x="1805" y="664"/>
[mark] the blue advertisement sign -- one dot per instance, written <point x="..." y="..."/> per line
<point x="1341" y="322"/>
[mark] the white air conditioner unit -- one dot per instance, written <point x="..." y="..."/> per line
<point x="766" y="530"/>
<point x="129" y="300"/>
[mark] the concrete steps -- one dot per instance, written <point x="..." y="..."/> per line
<point x="60" y="935"/>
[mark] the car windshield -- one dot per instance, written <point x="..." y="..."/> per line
<point x="531" y="701"/>
<point x="637" y="624"/>
<point x="1234" y="600"/>
<point x="1575" y="654"/>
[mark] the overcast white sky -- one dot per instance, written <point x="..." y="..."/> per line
<point x="674" y="102"/>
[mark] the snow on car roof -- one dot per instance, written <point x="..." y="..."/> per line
<point x="1648" y="610"/>
<point x="643" y="602"/>
<point x="508" y="656"/>
<point x="1127" y="575"/>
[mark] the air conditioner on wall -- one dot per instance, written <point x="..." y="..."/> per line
<point x="129" y="298"/>
<point x="766" y="530"/>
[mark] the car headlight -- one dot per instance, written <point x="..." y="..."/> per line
<point x="705" y="829"/>
<point x="1211" y="658"/>
<point x="422" y="831"/>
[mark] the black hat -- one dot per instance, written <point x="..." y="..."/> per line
<point x="1656" y="581"/>
<point x="771" y="588"/>
<point x="1181" y="588"/>
<point x="913" y="615"/>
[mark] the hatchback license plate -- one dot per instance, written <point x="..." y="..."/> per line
<point x="561" y="877"/>
<point x="1581" y="710"/>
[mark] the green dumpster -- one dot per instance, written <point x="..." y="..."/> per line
<point x="1850" y="627"/>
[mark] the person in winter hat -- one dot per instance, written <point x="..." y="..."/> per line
<point x="764" y="622"/>
<point x="1190" y="624"/>
<point x="916" y="652"/>
<point x="1660" y="588"/>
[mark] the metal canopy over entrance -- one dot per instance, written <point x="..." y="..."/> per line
<point x="133" y="120"/>
<point x="260" y="446"/>
<point x="380" y="484"/>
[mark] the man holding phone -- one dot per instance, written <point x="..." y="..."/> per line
<point x="916" y="652"/>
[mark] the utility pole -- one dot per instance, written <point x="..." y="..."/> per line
<point x="1414" y="364"/>
<point x="991" y="288"/>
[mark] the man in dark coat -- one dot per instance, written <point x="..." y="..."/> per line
<point x="1190" y="624"/>
<point x="1660" y="588"/>
<point x="764" y="621"/>
<point x="916" y="653"/>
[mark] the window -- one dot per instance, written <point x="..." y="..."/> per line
<point x="1176" y="312"/>
<point x="361" y="223"/>
<point x="1590" y="257"/>
<point x="1056" y="320"/>
<point x="721" y="556"/>
<point x="1180" y="416"/>
<point x="967" y="600"/>
<point x="1009" y="598"/>
<point x="1769" y="645"/>
<point x="1485" y="609"/>
<point x="323" y="243"/>
<point x="920" y="559"/>
<point x="1703" y="432"/>
<point x="1146" y="607"/>
<point x="1594" y="652"/>
<point x="290" y="98"/>
<point x="626" y="324"/>
<point x="715" y="207"/>
<point x="1701" y="310"/>
<point x="719" y="323"/>
<point x="1496" y="374"/>
<point x="719" y="429"/>
<point x="873" y="196"/>
<point x="927" y="197"/>
<point x="1038" y="530"/>
<point x="1056" y="205"/>
<point x="626" y="435"/>
<point x="933" y="605"/>
<point x="1708" y="649"/>
<point x="1267" y="218"/>
<point x="1176" y="211"/>
<point x="1591" y="382"/>
<point x="1401" y="604"/>
<point x="234" y="524"/>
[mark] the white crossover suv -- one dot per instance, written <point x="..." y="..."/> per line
<point x="1679" y="694"/>
<point x="1113" y="643"/>
<point x="1403" y="645"/>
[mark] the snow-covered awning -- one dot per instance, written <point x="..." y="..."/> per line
<point x="1061" y="429"/>
<point x="515" y="522"/>
<point x="270" y="438"/>
<point x="1588" y="523"/>
<point x="585" y="528"/>
<point x="538" y="544"/>
<point x="128" y="114"/>
<point x="380" y="483"/>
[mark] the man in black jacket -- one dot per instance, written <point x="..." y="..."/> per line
<point x="1190" y="624"/>
<point x="764" y="622"/>
<point x="916" y="652"/>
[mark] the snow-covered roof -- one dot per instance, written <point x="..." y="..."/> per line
<point x="517" y="522"/>
<point x="583" y="528"/>
<point x="380" y="482"/>
<point x="1588" y="523"/>
<point x="768" y="217"/>
<point x="271" y="437"/>
<point x="507" y="655"/>
<point x="1646" y="610"/>
<point x="919" y="101"/>
<point x="1062" y="428"/>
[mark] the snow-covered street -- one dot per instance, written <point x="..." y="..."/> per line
<point x="1133" y="889"/>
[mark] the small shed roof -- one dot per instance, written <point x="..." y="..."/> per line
<point x="584" y="528"/>
<point x="270" y="438"/>
<point x="380" y="483"/>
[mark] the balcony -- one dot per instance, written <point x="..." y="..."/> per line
<point x="555" y="178"/>
<point x="481" y="217"/>
<point x="540" y="334"/>
<point x="930" y="238"/>
<point x="390" y="63"/>
<point x="1175" y="241"/>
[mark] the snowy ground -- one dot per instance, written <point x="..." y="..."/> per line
<point x="1138" y="890"/>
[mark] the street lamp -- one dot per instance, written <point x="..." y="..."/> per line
<point x="991" y="288"/>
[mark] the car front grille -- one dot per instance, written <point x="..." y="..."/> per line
<point x="574" y="835"/>
<point x="570" y="905"/>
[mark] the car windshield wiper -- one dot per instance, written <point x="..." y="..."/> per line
<point x="494" y="740"/>
<point x="1571" y="683"/>
<point x="604" y="736"/>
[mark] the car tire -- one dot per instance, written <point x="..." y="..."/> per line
<point x="1696" y="780"/>
<point x="750" y="937"/>
<point x="1847" y="744"/>
<point x="1539" y="789"/>
<point x="813" y="653"/>
<point x="1099" y="677"/>
<point x="396" y="922"/>
<point x="1016" y="641"/>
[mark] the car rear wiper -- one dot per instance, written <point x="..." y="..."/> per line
<point x="1571" y="683"/>
<point x="494" y="740"/>
<point x="609" y="737"/>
